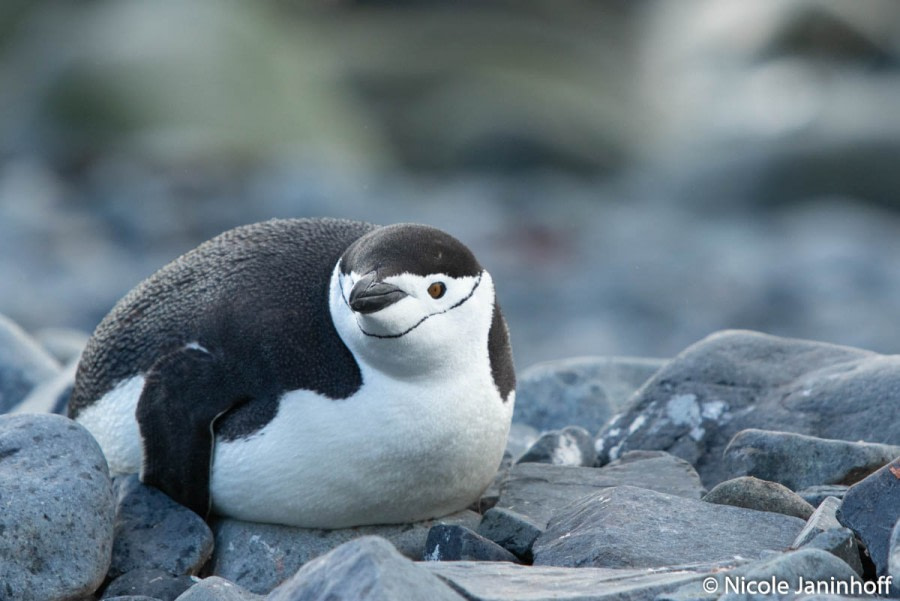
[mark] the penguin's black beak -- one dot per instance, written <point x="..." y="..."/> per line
<point x="369" y="295"/>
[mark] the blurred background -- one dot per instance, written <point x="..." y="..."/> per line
<point x="635" y="173"/>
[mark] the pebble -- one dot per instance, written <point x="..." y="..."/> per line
<point x="23" y="364"/>
<point x="799" y="461"/>
<point x="629" y="527"/>
<point x="753" y="493"/>
<point x="258" y="557"/>
<point x="56" y="523"/>
<point x="157" y="584"/>
<point x="153" y="531"/>
<point x="511" y="530"/>
<point x="736" y="380"/>
<point x="570" y="446"/>
<point x="585" y="391"/>
<point x="871" y="508"/>
<point x="457" y="543"/>
<point x="364" y="569"/>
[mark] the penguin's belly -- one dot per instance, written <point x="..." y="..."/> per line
<point x="391" y="455"/>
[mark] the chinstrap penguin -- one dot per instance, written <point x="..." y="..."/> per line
<point x="312" y="372"/>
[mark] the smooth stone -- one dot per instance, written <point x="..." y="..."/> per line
<point x="364" y="569"/>
<point x="814" y="495"/>
<point x="823" y="518"/>
<point x="58" y="509"/>
<point x="629" y="527"/>
<point x="871" y="508"/>
<point x="157" y="584"/>
<point x="23" y="364"/>
<point x="539" y="490"/>
<point x="458" y="543"/>
<point x="64" y="344"/>
<point x="511" y="530"/>
<point x="840" y="542"/>
<point x="259" y="557"/>
<point x="480" y="581"/>
<point x="585" y="391"/>
<point x="799" y="461"/>
<point x="217" y="589"/>
<point x="52" y="395"/>
<point x="153" y="531"/>
<point x="570" y="446"/>
<point x="735" y="380"/>
<point x="752" y="493"/>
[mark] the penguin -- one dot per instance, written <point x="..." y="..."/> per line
<point x="320" y="373"/>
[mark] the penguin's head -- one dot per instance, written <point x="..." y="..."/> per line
<point x="410" y="298"/>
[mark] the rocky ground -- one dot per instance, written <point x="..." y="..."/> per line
<point x="748" y="465"/>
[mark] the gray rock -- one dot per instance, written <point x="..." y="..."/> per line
<point x="509" y="582"/>
<point x="814" y="495"/>
<point x="585" y="391"/>
<point x="458" y="543"/>
<point x="735" y="380"/>
<point x="511" y="530"/>
<point x="58" y="509"/>
<point x="64" y="344"/>
<point x="871" y="508"/>
<point x="840" y="542"/>
<point x="149" y="583"/>
<point x="799" y="461"/>
<point x="153" y="531"/>
<point x="570" y="446"/>
<point x="752" y="493"/>
<point x="539" y="491"/>
<point x="131" y="598"/>
<point x="628" y="527"/>
<point x="365" y="569"/>
<point x="23" y="364"/>
<point x="258" y="557"/>
<point x="823" y="518"/>
<point x="51" y="395"/>
<point x="217" y="589"/>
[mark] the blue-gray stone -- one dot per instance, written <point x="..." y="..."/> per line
<point x="511" y="530"/>
<point x="157" y="584"/>
<point x="217" y="589"/>
<point x="458" y="543"/>
<point x="570" y="446"/>
<point x="823" y="518"/>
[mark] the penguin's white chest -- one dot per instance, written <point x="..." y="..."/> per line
<point x="396" y="451"/>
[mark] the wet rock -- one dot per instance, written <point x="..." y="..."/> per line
<point x="736" y="380"/>
<point x="217" y="589"/>
<point x="364" y="569"/>
<point x="753" y="493"/>
<point x="458" y="543"/>
<point x="570" y="446"/>
<point x="585" y="391"/>
<point x="539" y="491"/>
<point x="56" y="523"/>
<point x="258" y="557"/>
<point x="871" y="508"/>
<point x="23" y="364"/>
<point x="800" y="461"/>
<point x="823" y="518"/>
<point x="511" y="530"/>
<point x="628" y="527"/>
<point x="157" y="584"/>
<point x="153" y="531"/>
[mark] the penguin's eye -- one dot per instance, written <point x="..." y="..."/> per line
<point x="437" y="290"/>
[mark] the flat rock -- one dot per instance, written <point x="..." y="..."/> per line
<point x="447" y="542"/>
<point x="23" y="364"/>
<point x="823" y="518"/>
<point x="57" y="509"/>
<point x="570" y="446"/>
<point x="736" y="380"/>
<point x="752" y="493"/>
<point x="584" y="391"/>
<point x="148" y="583"/>
<point x="217" y="589"/>
<point x="539" y="491"/>
<point x="258" y="557"/>
<point x="364" y="569"/>
<point x="511" y="530"/>
<point x="871" y="508"/>
<point x="153" y="531"/>
<point x="509" y="582"/>
<point x="799" y="461"/>
<point x="629" y="527"/>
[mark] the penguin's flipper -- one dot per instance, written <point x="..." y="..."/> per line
<point x="183" y="395"/>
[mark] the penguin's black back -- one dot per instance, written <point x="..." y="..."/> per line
<point x="256" y="297"/>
